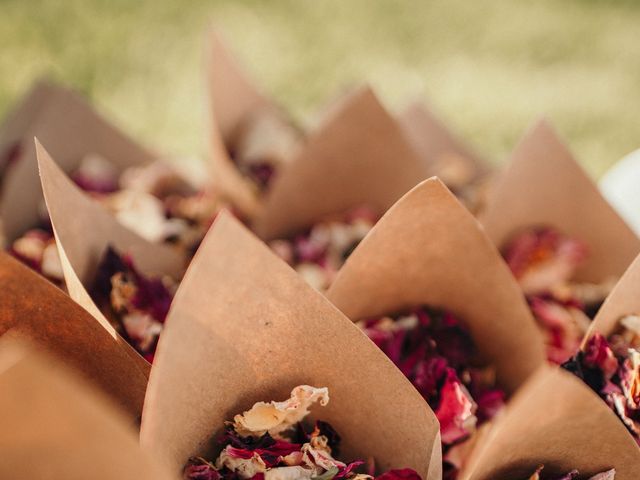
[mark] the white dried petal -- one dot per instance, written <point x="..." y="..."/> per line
<point x="276" y="417"/>
<point x="245" y="468"/>
<point x="51" y="265"/>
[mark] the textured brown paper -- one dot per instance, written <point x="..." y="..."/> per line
<point x="544" y="186"/>
<point x="434" y="141"/>
<point x="32" y="308"/>
<point x="359" y="156"/>
<point x="624" y="299"/>
<point x="557" y="421"/>
<point x="84" y="229"/>
<point x="428" y="249"/>
<point x="243" y="328"/>
<point x="56" y="427"/>
<point x="71" y="129"/>
<point x="233" y="97"/>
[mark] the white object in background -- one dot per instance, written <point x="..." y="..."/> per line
<point x="621" y="187"/>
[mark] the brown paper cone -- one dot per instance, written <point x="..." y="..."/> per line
<point x="359" y="156"/>
<point x="84" y="229"/>
<point x="55" y="427"/>
<point x="244" y="328"/>
<point x="71" y="129"/>
<point x="624" y="299"/>
<point x="32" y="308"/>
<point x="544" y="186"/>
<point x="433" y="141"/>
<point x="428" y="249"/>
<point x="557" y="421"/>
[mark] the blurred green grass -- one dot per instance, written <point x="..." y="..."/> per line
<point x="487" y="67"/>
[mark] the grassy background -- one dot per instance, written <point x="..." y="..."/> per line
<point x="488" y="67"/>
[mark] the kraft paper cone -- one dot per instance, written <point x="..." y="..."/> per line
<point x="245" y="328"/>
<point x="32" y="308"/>
<point x="359" y="156"/>
<point x="624" y="299"/>
<point x="434" y="142"/>
<point x="56" y="427"/>
<point x="71" y="129"/>
<point x="429" y="250"/>
<point x="544" y="186"/>
<point x="84" y="229"/>
<point x="557" y="421"/>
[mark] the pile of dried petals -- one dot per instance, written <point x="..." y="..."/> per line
<point x="611" y="367"/>
<point x="136" y="305"/>
<point x="436" y="352"/>
<point x="544" y="262"/>
<point x="608" y="475"/>
<point x="271" y="442"/>
<point x="318" y="253"/>
<point x="262" y="144"/>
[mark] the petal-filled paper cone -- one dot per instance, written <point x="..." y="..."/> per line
<point x="429" y="250"/>
<point x="245" y="328"/>
<point x="84" y="229"/>
<point x="544" y="186"/>
<point x="32" y="308"/>
<point x="435" y="143"/>
<point x="623" y="300"/>
<point x="557" y="421"/>
<point x="56" y="427"/>
<point x="359" y="156"/>
<point x="71" y="129"/>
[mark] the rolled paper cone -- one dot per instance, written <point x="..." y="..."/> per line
<point x="557" y="421"/>
<point x="357" y="156"/>
<point x="56" y="426"/>
<point x="71" y="129"/>
<point x="84" y="229"/>
<point x="429" y="250"/>
<point x="435" y="142"/>
<point x="31" y="308"/>
<point x="244" y="328"/>
<point x="543" y="185"/>
<point x="623" y="300"/>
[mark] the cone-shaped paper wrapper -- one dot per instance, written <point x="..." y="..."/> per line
<point x="433" y="141"/>
<point x="429" y="250"/>
<point x="544" y="186"/>
<point x="32" y="308"/>
<point x="359" y="156"/>
<point x="56" y="427"/>
<point x="84" y="229"/>
<point x="557" y="421"/>
<point x="245" y="328"/>
<point x="623" y="300"/>
<point x="70" y="129"/>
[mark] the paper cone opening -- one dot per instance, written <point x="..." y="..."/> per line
<point x="543" y="185"/>
<point x="358" y="156"/>
<point x="55" y="426"/>
<point x="84" y="229"/>
<point x="245" y="328"/>
<point x="429" y="250"/>
<point x="557" y="421"/>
